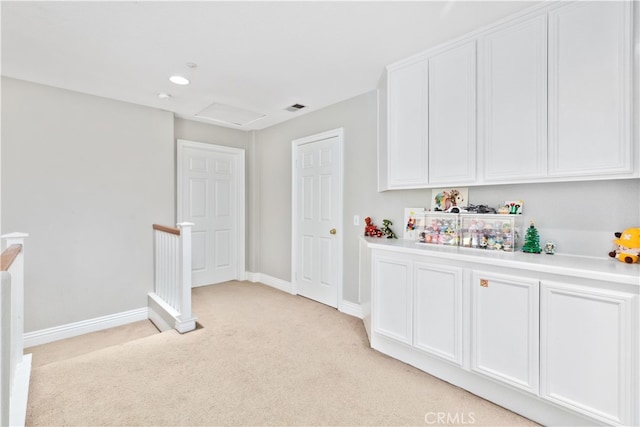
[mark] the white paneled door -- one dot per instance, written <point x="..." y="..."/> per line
<point x="211" y="196"/>
<point x="317" y="212"/>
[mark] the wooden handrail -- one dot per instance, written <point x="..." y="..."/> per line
<point x="166" y="229"/>
<point x="8" y="256"/>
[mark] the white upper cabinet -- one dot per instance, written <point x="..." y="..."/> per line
<point x="452" y="116"/>
<point x="512" y="105"/>
<point x="407" y="129"/>
<point x="555" y="102"/>
<point x="590" y="98"/>
<point x="431" y="134"/>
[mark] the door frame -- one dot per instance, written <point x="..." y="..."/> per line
<point x="239" y="160"/>
<point x="295" y="145"/>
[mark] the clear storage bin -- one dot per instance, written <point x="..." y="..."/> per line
<point x="440" y="228"/>
<point x="491" y="232"/>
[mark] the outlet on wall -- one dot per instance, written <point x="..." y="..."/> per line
<point x="356" y="220"/>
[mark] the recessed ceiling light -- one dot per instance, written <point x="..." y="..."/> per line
<point x="164" y="95"/>
<point x="179" y="80"/>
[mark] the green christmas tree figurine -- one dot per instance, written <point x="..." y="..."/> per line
<point x="532" y="241"/>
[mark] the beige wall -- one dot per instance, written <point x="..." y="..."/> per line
<point x="358" y="117"/>
<point x="85" y="177"/>
<point x="211" y="134"/>
<point x="580" y="217"/>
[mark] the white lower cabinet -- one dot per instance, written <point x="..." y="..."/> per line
<point x="557" y="348"/>
<point x="391" y="312"/>
<point x="504" y="328"/>
<point x="587" y="351"/>
<point x="438" y="310"/>
<point x="419" y="304"/>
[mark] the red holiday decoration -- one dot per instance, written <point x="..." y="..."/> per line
<point x="371" y="229"/>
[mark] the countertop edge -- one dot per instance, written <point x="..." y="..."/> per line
<point x="605" y="269"/>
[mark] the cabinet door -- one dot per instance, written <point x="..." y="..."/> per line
<point x="586" y="351"/>
<point x="452" y="116"/>
<point x="407" y="128"/>
<point x="513" y="101"/>
<point x="504" y="329"/>
<point x="391" y="311"/>
<point x="438" y="311"/>
<point x="590" y="63"/>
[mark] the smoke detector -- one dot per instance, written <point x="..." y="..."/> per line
<point x="295" y="107"/>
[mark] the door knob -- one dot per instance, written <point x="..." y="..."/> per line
<point x="332" y="231"/>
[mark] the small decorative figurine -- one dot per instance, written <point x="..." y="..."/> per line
<point x="549" y="248"/>
<point x="627" y="246"/>
<point x="445" y="200"/>
<point x="386" y="230"/>
<point x="513" y="207"/>
<point x="532" y="240"/>
<point x="371" y="229"/>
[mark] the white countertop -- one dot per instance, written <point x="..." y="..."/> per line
<point x="597" y="268"/>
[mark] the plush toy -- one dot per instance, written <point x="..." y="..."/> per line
<point x="387" y="230"/>
<point x="627" y="246"/>
<point x="371" y="229"/>
<point x="446" y="200"/>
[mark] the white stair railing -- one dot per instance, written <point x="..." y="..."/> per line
<point x="170" y="303"/>
<point x="15" y="369"/>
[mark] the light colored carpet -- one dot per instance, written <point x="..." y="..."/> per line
<point x="263" y="357"/>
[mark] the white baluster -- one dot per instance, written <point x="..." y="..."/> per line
<point x="156" y="261"/>
<point x="175" y="262"/>
<point x="162" y="291"/>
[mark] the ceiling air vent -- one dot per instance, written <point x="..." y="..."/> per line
<point x="295" y="107"/>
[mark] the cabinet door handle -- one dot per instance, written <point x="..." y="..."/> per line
<point x="484" y="283"/>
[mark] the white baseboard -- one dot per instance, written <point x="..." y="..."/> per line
<point x="166" y="317"/>
<point x="274" y="282"/>
<point x="251" y="277"/>
<point x="346" y="307"/>
<point x="69" y="330"/>
<point x="351" y="308"/>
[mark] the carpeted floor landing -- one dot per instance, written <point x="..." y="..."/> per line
<point x="262" y="357"/>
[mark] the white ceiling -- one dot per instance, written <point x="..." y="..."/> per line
<point x="258" y="56"/>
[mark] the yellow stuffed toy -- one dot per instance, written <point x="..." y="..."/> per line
<point x="627" y="246"/>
